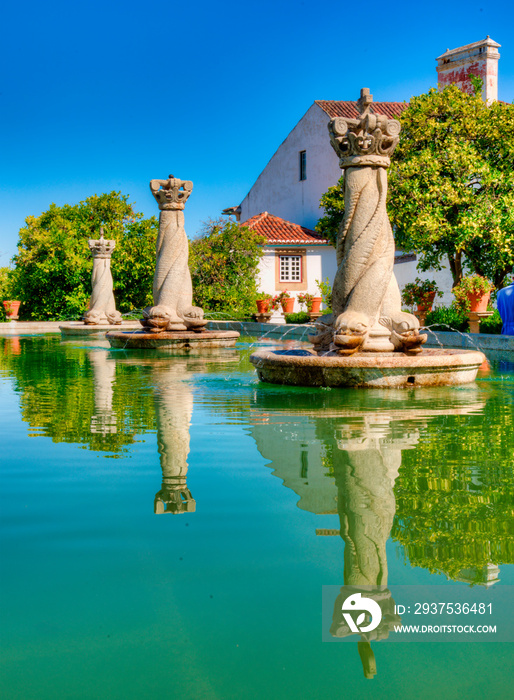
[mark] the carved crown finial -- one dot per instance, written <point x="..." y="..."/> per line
<point x="368" y="140"/>
<point x="101" y="248"/>
<point x="171" y="193"/>
<point x="365" y="101"/>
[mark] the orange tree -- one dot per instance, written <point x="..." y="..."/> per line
<point x="52" y="273"/>
<point x="451" y="185"/>
<point x="223" y="263"/>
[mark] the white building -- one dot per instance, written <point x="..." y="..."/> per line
<point x="294" y="257"/>
<point x="304" y="166"/>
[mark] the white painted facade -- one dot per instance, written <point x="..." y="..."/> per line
<point x="278" y="188"/>
<point x="320" y="263"/>
<point x="406" y="272"/>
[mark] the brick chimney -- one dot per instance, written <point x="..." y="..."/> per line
<point x="480" y="59"/>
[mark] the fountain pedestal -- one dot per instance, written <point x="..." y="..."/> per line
<point x="173" y="321"/>
<point x="367" y="341"/>
<point x="368" y="369"/>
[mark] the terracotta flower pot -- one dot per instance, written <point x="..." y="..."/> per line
<point x="262" y="305"/>
<point x="425" y="305"/>
<point x="288" y="305"/>
<point x="316" y="305"/>
<point x="479" y="301"/>
<point x="11" y="309"/>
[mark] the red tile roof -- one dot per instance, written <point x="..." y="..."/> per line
<point x="279" y="231"/>
<point x="337" y="108"/>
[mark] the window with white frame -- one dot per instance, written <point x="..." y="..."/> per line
<point x="290" y="268"/>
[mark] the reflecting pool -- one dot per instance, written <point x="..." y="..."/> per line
<point x="172" y="527"/>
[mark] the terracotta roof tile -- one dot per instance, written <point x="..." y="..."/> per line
<point x="279" y="231"/>
<point x="337" y="108"/>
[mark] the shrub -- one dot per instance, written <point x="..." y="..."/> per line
<point x="444" y="316"/>
<point x="223" y="264"/>
<point x="299" y="317"/>
<point x="492" y="324"/>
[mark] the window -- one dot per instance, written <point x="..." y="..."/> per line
<point x="303" y="165"/>
<point x="290" y="268"/>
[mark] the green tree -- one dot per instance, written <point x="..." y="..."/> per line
<point x="451" y="185"/>
<point x="52" y="275"/>
<point x="223" y="264"/>
<point x="333" y="204"/>
<point x="5" y="289"/>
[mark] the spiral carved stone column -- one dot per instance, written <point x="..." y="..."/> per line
<point x="173" y="308"/>
<point x="366" y="300"/>
<point x="102" y="307"/>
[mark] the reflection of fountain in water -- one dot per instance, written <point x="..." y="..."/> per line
<point x="365" y="468"/>
<point x="347" y="461"/>
<point x="174" y="408"/>
<point x="173" y="395"/>
<point x="103" y="420"/>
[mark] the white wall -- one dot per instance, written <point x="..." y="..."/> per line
<point x="321" y="263"/>
<point x="406" y="272"/>
<point x="278" y="189"/>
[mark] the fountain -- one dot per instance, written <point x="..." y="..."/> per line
<point x="367" y="340"/>
<point x="173" y="321"/>
<point x="101" y="315"/>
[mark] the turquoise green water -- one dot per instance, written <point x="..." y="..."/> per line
<point x="168" y="525"/>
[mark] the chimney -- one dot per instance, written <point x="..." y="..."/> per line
<point x="480" y="59"/>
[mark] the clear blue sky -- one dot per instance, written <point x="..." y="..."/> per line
<point x="101" y="96"/>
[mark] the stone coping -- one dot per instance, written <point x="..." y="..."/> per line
<point x="275" y="331"/>
<point x="469" y="341"/>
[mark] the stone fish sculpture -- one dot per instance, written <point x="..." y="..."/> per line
<point x="366" y="301"/>
<point x="173" y="308"/>
<point x="102" y="307"/>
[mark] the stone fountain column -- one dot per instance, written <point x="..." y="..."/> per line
<point x="173" y="308"/>
<point x="102" y="308"/>
<point x="366" y="300"/>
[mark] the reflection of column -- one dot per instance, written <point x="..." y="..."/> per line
<point x="103" y="420"/>
<point x="174" y="408"/>
<point x="365" y="470"/>
<point x="102" y="308"/>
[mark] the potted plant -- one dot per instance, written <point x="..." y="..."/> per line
<point x="473" y="293"/>
<point x="285" y="300"/>
<point x="421" y="293"/>
<point x="11" y="309"/>
<point x="305" y="300"/>
<point x="263" y="302"/>
<point x="325" y="290"/>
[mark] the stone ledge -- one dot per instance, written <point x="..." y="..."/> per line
<point x="469" y="341"/>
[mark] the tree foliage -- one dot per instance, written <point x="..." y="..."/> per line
<point x="451" y="185"/>
<point x="52" y="275"/>
<point x="223" y="264"/>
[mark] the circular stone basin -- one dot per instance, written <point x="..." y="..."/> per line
<point x="172" y="339"/>
<point x="368" y="369"/>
